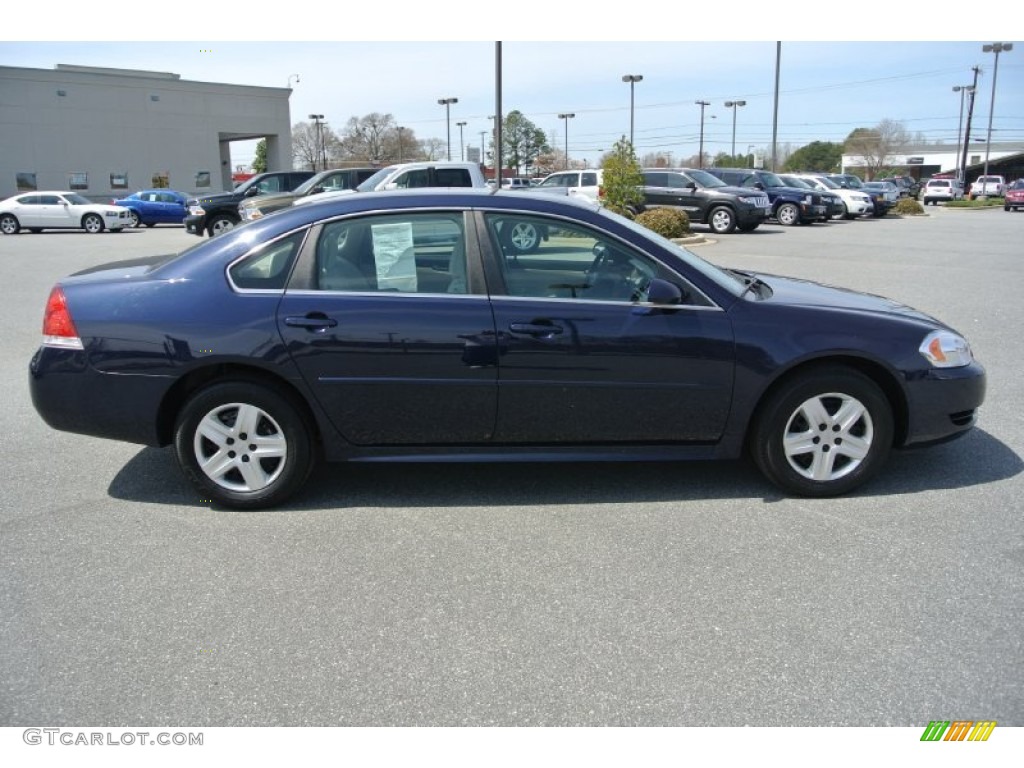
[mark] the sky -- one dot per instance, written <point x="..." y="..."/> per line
<point x="827" y="88"/>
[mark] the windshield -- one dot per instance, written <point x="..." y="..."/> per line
<point x="705" y="179"/>
<point x="307" y="185"/>
<point x="726" y="280"/>
<point x="827" y="183"/>
<point x="770" y="180"/>
<point x="371" y="183"/>
<point x="793" y="181"/>
<point x="77" y="199"/>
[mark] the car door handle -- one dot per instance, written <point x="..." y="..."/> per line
<point x="540" y="329"/>
<point x="314" y="321"/>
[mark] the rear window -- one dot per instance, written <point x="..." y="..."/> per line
<point x="453" y="177"/>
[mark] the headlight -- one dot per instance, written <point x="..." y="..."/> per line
<point x="808" y="199"/>
<point x="748" y="200"/>
<point x="251" y="214"/>
<point x="196" y="210"/>
<point x="945" y="349"/>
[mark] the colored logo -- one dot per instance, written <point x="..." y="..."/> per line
<point x="958" y="730"/>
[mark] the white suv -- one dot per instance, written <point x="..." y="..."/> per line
<point x="855" y="202"/>
<point x="577" y="183"/>
<point x="941" y="189"/>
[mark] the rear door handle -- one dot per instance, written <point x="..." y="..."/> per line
<point x="314" y="321"/>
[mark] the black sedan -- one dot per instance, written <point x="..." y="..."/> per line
<point x="346" y="330"/>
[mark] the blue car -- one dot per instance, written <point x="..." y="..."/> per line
<point x="154" y="206"/>
<point x="347" y="330"/>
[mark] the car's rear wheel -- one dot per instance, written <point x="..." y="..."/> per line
<point x="722" y="220"/>
<point x="823" y="433"/>
<point x="243" y="444"/>
<point x="788" y="214"/>
<point x="748" y="227"/>
<point x="134" y="218"/>
<point x="219" y="225"/>
<point x="92" y="223"/>
<point x="522" y="237"/>
<point x="9" y="225"/>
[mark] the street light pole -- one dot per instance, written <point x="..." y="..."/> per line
<point x="632" y="80"/>
<point x="447" y="104"/>
<point x="319" y="140"/>
<point x="700" y="153"/>
<point x="963" y="90"/>
<point x="995" y="48"/>
<point x="734" y="104"/>
<point x="462" y="144"/>
<point x="565" y="116"/>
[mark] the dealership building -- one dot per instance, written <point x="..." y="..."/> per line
<point x="1004" y="158"/>
<point x="106" y="132"/>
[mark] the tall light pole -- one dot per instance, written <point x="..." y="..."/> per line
<point x="565" y="116"/>
<point x="700" y="152"/>
<point x="319" y="140"/>
<point x="632" y="80"/>
<point x="293" y="77"/>
<point x="447" y="104"/>
<point x="734" y="104"/>
<point x="963" y="90"/>
<point x="462" y="144"/>
<point x="995" y="48"/>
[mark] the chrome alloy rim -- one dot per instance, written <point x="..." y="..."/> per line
<point x="828" y="436"/>
<point x="240" y="447"/>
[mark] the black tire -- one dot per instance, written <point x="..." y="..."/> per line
<point x="1006" y="207"/>
<point x="521" y="237"/>
<point x="134" y="216"/>
<point x="721" y="220"/>
<point x="846" y="212"/>
<point x="150" y="224"/>
<point x="92" y="223"/>
<point x="35" y="230"/>
<point x="215" y="426"/>
<point x="830" y="457"/>
<point x="748" y="227"/>
<point x="788" y="215"/>
<point x="219" y="225"/>
<point x="9" y="224"/>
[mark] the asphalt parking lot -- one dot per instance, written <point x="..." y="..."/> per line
<point x="557" y="595"/>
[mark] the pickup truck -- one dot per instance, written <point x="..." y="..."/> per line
<point x="990" y="186"/>
<point x="213" y="214"/>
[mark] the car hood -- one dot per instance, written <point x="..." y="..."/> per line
<point x="217" y="197"/>
<point x="260" y="201"/>
<point x="790" y="290"/>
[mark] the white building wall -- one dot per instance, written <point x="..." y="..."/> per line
<point x="97" y="121"/>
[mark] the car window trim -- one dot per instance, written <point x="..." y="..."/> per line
<point x="261" y="247"/>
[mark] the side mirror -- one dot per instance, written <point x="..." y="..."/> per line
<point x="759" y="185"/>
<point x="663" y="292"/>
<point x="252" y="192"/>
<point x="391" y="185"/>
<point x="691" y="185"/>
<point x="317" y="189"/>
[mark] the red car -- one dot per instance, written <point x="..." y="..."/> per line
<point x="1014" y="196"/>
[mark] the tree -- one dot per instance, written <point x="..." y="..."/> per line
<point x="372" y="138"/>
<point x="433" y="149"/>
<point x="306" y="148"/>
<point x="824" y="156"/>
<point x="876" y="146"/>
<point x="259" y="163"/>
<point x="657" y="160"/>
<point x="622" y="179"/>
<point x="521" y="141"/>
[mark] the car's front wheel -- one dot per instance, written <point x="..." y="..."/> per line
<point x="219" y="225"/>
<point x="9" y="225"/>
<point x="92" y="223"/>
<point x="133" y="217"/>
<point x="722" y="221"/>
<point x="244" y="444"/>
<point x="823" y="433"/>
<point x="788" y="214"/>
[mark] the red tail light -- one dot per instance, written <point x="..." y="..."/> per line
<point x="58" y="327"/>
<point x="600" y="192"/>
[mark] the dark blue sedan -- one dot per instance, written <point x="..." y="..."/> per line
<point x="154" y="206"/>
<point x="405" y="326"/>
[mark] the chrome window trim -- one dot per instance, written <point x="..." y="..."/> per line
<point x="262" y="246"/>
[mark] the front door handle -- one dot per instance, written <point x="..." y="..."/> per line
<point x="314" y="321"/>
<point x="541" y="329"/>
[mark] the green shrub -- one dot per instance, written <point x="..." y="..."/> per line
<point x="908" y="207"/>
<point x="667" y="222"/>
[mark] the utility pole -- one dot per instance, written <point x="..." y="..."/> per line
<point x="970" y="112"/>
